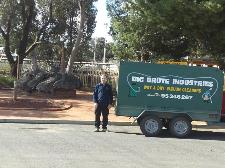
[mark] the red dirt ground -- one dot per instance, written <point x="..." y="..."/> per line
<point x="64" y="105"/>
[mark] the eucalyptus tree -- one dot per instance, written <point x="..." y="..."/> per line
<point x="101" y="44"/>
<point x="86" y="17"/>
<point x="77" y="19"/>
<point x="21" y="27"/>
<point x="167" y="28"/>
<point x="24" y="24"/>
<point x="69" y="18"/>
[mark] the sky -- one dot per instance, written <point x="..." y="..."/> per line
<point x="101" y="29"/>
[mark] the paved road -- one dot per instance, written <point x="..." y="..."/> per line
<point x="77" y="146"/>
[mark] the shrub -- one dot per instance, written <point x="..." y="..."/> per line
<point x="6" y="81"/>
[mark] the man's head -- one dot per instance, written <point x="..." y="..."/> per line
<point x="103" y="79"/>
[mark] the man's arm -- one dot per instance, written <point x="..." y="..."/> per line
<point x="95" y="97"/>
<point x="95" y="94"/>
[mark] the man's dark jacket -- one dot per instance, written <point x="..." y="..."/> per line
<point x="103" y="94"/>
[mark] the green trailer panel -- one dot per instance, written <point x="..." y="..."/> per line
<point x="169" y="90"/>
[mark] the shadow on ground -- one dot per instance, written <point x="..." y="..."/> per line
<point x="198" y="135"/>
<point x="125" y="132"/>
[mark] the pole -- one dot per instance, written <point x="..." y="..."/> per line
<point x="17" y="77"/>
<point x="104" y="54"/>
<point x="14" y="91"/>
<point x="18" y="68"/>
<point x="104" y="51"/>
<point x="94" y="50"/>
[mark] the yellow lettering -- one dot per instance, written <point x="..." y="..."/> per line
<point x="146" y="87"/>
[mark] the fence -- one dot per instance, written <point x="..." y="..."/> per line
<point x="5" y="68"/>
<point x="88" y="73"/>
<point x="90" y="80"/>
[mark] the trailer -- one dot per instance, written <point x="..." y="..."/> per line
<point x="170" y="96"/>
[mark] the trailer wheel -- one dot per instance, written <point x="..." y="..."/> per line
<point x="180" y="127"/>
<point x="151" y="126"/>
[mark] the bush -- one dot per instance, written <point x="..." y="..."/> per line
<point x="6" y="81"/>
<point x="4" y="68"/>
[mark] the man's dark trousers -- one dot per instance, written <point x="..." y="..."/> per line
<point x="104" y="111"/>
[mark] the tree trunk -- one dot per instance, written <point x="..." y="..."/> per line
<point x="34" y="65"/>
<point x="6" y="36"/>
<point x="13" y="69"/>
<point x="26" y="30"/>
<point x="62" y="62"/>
<point x="75" y="49"/>
<point x="12" y="62"/>
<point x="23" y="49"/>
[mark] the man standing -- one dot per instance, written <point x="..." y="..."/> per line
<point x="103" y="99"/>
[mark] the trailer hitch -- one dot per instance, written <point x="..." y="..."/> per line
<point x="136" y="118"/>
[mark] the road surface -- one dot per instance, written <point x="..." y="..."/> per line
<point x="77" y="146"/>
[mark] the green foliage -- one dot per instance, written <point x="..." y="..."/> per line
<point x="4" y="68"/>
<point x="97" y="45"/>
<point x="65" y="26"/>
<point x="144" y="29"/>
<point x="61" y="31"/>
<point x="6" y="81"/>
<point x="1" y="41"/>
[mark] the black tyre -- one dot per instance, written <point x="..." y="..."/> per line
<point x="151" y="126"/>
<point x="180" y="127"/>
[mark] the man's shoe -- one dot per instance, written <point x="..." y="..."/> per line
<point x="97" y="130"/>
<point x="104" y="130"/>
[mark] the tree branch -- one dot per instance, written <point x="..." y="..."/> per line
<point x="37" y="38"/>
<point x="2" y="32"/>
<point x="8" y="26"/>
<point x="8" y="29"/>
<point x="23" y="12"/>
<point x="79" y="37"/>
<point x="32" y="46"/>
<point x="38" y="35"/>
<point x="46" y="24"/>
